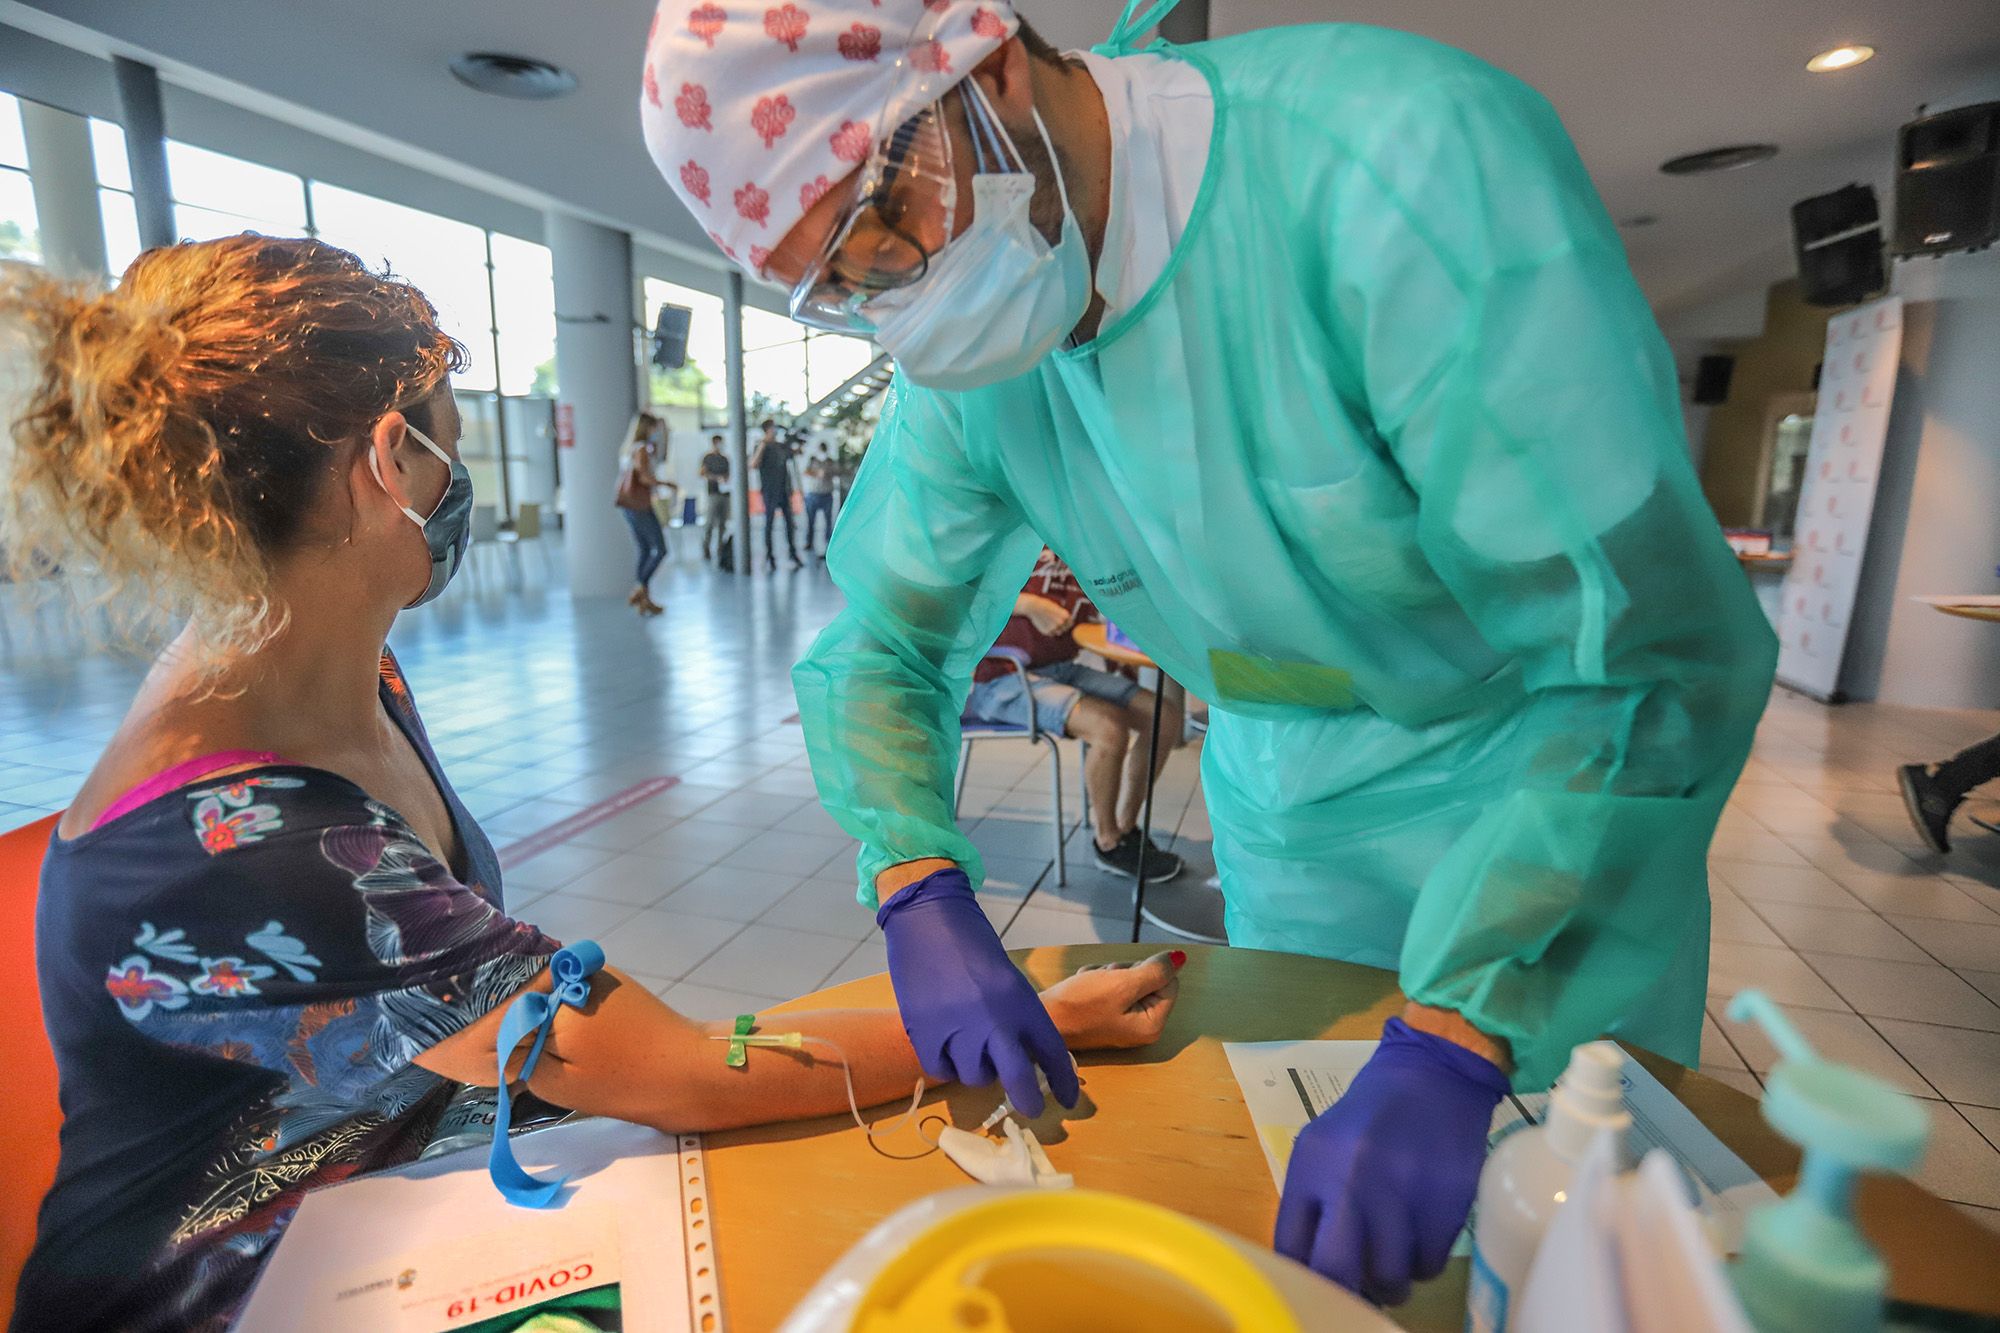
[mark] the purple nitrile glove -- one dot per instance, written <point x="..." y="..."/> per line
<point x="1381" y="1182"/>
<point x="969" y="1012"/>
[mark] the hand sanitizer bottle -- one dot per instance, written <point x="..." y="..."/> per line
<point x="1528" y="1175"/>
<point x="1805" y="1267"/>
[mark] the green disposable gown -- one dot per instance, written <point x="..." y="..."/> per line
<point x="1388" y="467"/>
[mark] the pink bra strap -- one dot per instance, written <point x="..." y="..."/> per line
<point x="179" y="776"/>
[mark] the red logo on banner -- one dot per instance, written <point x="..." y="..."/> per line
<point x="565" y="426"/>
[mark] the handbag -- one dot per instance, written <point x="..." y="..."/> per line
<point x="633" y="492"/>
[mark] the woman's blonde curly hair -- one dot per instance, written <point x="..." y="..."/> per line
<point x="177" y="429"/>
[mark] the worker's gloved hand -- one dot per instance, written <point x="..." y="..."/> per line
<point x="970" y="1013"/>
<point x="1380" y="1184"/>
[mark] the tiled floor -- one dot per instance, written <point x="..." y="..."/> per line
<point x="733" y="889"/>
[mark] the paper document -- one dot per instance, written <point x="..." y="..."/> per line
<point x="433" y="1248"/>
<point x="1287" y="1083"/>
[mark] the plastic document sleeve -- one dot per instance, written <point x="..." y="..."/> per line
<point x="432" y="1247"/>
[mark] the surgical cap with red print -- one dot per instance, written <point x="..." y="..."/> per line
<point x="753" y="111"/>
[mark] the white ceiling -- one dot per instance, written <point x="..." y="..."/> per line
<point x="1636" y="82"/>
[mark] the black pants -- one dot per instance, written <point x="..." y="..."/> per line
<point x="1969" y="768"/>
<point x="776" y="503"/>
<point x="652" y="540"/>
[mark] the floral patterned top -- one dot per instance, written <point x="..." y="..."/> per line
<point x="236" y="977"/>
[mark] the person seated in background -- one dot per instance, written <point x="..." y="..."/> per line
<point x="271" y="941"/>
<point x="1108" y="712"/>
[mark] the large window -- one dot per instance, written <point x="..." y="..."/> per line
<point x="700" y="384"/>
<point x="114" y="195"/>
<point x="493" y="292"/>
<point x="219" y="195"/>
<point x="790" y="366"/>
<point x="18" y="236"/>
<point x="524" y="313"/>
<point x="447" y="259"/>
<point x="786" y="366"/>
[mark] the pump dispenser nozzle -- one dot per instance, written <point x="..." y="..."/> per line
<point x="1806" y="1268"/>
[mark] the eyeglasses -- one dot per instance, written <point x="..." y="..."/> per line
<point x="904" y="210"/>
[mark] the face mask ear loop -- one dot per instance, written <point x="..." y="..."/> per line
<point x="1055" y="163"/>
<point x="375" y="466"/>
<point x="430" y="444"/>
<point x="989" y="147"/>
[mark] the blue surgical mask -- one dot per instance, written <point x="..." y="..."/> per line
<point x="449" y="528"/>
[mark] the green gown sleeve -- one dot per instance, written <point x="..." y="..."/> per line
<point x="930" y="559"/>
<point x="1515" y="373"/>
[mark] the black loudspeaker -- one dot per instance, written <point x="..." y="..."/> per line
<point x="1711" y="380"/>
<point x="1948" y="181"/>
<point x="1838" y="240"/>
<point x="670" y="337"/>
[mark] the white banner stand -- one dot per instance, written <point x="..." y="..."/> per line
<point x="1837" y="502"/>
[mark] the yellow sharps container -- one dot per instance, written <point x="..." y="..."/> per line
<point x="985" y="1260"/>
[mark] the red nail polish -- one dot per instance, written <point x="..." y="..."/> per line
<point x="1178" y="958"/>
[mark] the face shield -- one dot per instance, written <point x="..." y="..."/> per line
<point x="901" y="208"/>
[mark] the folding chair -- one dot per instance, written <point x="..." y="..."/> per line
<point x="973" y="729"/>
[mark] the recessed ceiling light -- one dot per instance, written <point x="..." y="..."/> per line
<point x="512" y="76"/>
<point x="1840" y="57"/>
<point x="1719" y="159"/>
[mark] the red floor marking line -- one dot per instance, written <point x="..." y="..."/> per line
<point x="514" y="853"/>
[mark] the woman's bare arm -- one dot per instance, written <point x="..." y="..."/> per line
<point x="629" y="1056"/>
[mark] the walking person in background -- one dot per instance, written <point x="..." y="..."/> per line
<point x="1932" y="794"/>
<point x="772" y="462"/>
<point x="821" y="470"/>
<point x="637" y="482"/>
<point x="714" y="472"/>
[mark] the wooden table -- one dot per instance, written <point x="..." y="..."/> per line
<point x="1988" y="613"/>
<point x="1096" y="638"/>
<point x="1764" y="559"/>
<point x="1168" y="1125"/>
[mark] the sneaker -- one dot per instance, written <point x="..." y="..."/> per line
<point x="1930" y="809"/>
<point x="1123" y="859"/>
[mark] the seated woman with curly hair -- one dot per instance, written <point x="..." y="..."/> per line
<point x="271" y="941"/>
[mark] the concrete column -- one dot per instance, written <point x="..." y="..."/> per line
<point x="739" y="428"/>
<point x="594" y="351"/>
<point x="146" y="150"/>
<point x="63" y="175"/>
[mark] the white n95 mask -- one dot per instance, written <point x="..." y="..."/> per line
<point x="998" y="298"/>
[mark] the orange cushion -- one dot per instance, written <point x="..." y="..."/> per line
<point x="24" y="1053"/>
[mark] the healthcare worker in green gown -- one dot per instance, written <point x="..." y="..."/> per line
<point x="1385" y="461"/>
